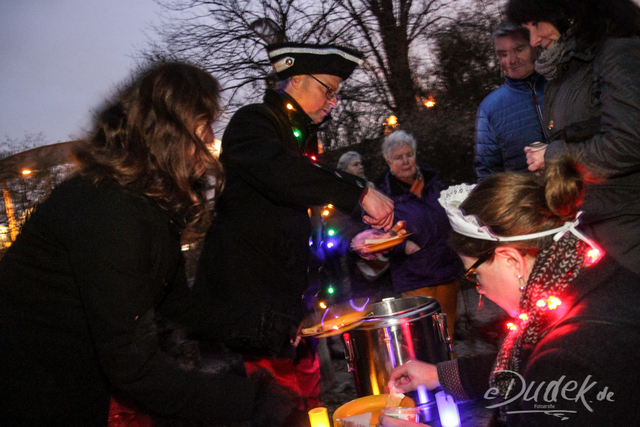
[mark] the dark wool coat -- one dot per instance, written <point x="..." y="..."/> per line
<point x="602" y="82"/>
<point x="435" y="263"/>
<point x="80" y="291"/>
<point x="590" y="352"/>
<point x="256" y="253"/>
<point x="508" y="120"/>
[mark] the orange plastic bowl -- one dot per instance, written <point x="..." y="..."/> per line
<point x="373" y="404"/>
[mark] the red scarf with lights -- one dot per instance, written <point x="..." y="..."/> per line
<point x="554" y="269"/>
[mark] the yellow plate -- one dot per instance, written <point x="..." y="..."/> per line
<point x="335" y="325"/>
<point x="373" y="404"/>
<point x="376" y="247"/>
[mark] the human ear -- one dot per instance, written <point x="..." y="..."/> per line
<point x="513" y="258"/>
<point x="296" y="81"/>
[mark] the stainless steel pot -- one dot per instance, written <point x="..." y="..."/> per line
<point x="400" y="329"/>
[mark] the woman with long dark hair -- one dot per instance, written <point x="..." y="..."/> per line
<point x="154" y="140"/>
<point x="591" y="56"/>
<point x="99" y="263"/>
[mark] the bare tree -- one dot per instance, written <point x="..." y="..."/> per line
<point x="10" y="185"/>
<point x="414" y="50"/>
<point x="464" y="71"/>
<point x="394" y="36"/>
<point x="461" y="71"/>
<point x="228" y="38"/>
<point x="29" y="169"/>
<point x="12" y="146"/>
<point x="466" y="68"/>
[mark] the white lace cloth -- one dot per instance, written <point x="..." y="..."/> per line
<point x="470" y="225"/>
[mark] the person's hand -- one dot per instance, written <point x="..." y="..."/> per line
<point x="411" y="248"/>
<point x="410" y="375"/>
<point x="535" y="158"/>
<point x="359" y="240"/>
<point x="379" y="209"/>
<point x="295" y="341"/>
<point x="387" y="421"/>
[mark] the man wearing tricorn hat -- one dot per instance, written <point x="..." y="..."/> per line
<point x="256" y="252"/>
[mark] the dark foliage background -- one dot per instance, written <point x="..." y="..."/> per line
<point x="463" y="73"/>
<point x="415" y="50"/>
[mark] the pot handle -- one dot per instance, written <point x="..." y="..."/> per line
<point x="441" y="320"/>
<point x="348" y="351"/>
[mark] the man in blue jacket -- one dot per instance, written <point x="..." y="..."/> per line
<point x="510" y="117"/>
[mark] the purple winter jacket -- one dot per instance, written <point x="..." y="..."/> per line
<point x="435" y="263"/>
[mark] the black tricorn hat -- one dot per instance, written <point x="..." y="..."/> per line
<point x="292" y="59"/>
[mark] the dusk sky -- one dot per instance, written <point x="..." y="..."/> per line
<point x="59" y="59"/>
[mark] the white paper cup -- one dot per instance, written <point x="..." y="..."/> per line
<point x="402" y="413"/>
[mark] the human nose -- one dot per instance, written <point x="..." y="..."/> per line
<point x="534" y="38"/>
<point x="333" y="102"/>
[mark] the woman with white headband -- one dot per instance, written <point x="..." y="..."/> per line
<point x="571" y="355"/>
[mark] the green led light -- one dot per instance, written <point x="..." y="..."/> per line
<point x="330" y="290"/>
<point x="331" y="232"/>
<point x="296" y="133"/>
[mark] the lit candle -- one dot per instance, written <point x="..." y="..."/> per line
<point x="448" y="410"/>
<point x="319" y="417"/>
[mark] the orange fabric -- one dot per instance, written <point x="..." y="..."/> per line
<point x="417" y="187"/>
<point x="301" y="376"/>
<point x="447" y="296"/>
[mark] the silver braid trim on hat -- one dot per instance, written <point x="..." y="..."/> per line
<point x="316" y="51"/>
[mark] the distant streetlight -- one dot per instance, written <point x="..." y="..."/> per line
<point x="430" y="103"/>
<point x="5" y="237"/>
<point x="216" y="148"/>
<point x="8" y="206"/>
<point x="26" y="172"/>
<point x="390" y="125"/>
